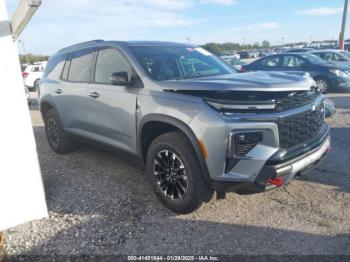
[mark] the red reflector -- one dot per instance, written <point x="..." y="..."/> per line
<point x="278" y="181"/>
<point x="243" y="70"/>
<point x="25" y="74"/>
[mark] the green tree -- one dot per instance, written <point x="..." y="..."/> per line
<point x="32" y="58"/>
<point x="266" y="44"/>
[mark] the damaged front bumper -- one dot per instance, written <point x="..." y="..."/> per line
<point x="279" y="172"/>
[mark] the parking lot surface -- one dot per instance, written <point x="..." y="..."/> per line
<point x="101" y="203"/>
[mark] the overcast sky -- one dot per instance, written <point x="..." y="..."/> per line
<point x="59" y="23"/>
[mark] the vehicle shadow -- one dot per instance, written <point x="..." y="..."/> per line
<point x="334" y="170"/>
<point x="174" y="236"/>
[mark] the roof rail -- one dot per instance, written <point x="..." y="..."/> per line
<point x="81" y="44"/>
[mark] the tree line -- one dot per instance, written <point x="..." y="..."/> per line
<point x="233" y="47"/>
<point x="31" y="58"/>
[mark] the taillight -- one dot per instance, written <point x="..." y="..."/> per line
<point x="25" y="74"/>
<point x="243" y="69"/>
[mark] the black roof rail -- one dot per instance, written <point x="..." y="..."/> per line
<point x="81" y="45"/>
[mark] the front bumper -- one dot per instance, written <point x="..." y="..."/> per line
<point x="283" y="171"/>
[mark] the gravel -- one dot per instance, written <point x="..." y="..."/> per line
<point x="101" y="204"/>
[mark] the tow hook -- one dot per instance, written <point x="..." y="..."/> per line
<point x="278" y="181"/>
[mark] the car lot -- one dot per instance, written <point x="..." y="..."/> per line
<point x="100" y="203"/>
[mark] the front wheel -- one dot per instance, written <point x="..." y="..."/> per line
<point x="323" y="84"/>
<point x="175" y="174"/>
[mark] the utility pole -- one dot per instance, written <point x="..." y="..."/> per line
<point x="342" y="33"/>
<point x="24" y="50"/>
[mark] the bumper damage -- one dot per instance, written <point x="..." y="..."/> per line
<point x="273" y="176"/>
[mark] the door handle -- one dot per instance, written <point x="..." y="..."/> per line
<point x="94" y="95"/>
<point x="58" y="91"/>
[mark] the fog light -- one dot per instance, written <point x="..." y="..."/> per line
<point x="242" y="142"/>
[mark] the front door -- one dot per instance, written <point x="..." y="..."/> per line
<point x="112" y="108"/>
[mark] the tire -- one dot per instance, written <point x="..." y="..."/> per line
<point x="58" y="140"/>
<point x="35" y="85"/>
<point x="189" y="190"/>
<point x="324" y="84"/>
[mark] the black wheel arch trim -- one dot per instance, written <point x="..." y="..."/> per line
<point x="183" y="127"/>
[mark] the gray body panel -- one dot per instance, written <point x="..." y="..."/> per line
<point x="115" y="118"/>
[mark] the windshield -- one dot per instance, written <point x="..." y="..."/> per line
<point x="177" y="62"/>
<point x="314" y="59"/>
<point x="347" y="54"/>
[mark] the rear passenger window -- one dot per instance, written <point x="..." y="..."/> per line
<point x="271" y="61"/>
<point x="54" y="67"/>
<point x="80" y="66"/>
<point x="110" y="61"/>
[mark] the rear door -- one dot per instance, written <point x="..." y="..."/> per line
<point x="294" y="63"/>
<point x="271" y="63"/>
<point x="71" y="95"/>
<point x="112" y="108"/>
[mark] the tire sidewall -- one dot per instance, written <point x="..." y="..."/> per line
<point x="198" y="190"/>
<point x="189" y="172"/>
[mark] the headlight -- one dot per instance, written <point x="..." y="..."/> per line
<point x="339" y="73"/>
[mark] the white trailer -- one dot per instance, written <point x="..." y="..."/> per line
<point x="23" y="197"/>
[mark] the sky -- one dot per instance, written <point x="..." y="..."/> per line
<point x="59" y="23"/>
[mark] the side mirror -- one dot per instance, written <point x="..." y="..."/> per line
<point x="121" y="79"/>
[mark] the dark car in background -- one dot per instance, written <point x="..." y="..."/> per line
<point x="328" y="76"/>
<point x="244" y="54"/>
<point x="299" y="50"/>
<point x="334" y="56"/>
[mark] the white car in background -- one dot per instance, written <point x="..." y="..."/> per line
<point x="32" y="74"/>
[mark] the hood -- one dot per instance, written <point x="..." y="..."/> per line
<point x="344" y="66"/>
<point x="253" y="81"/>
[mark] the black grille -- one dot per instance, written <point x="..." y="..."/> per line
<point x="299" y="129"/>
<point x="243" y="149"/>
<point x="294" y="100"/>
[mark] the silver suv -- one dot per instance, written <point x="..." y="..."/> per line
<point x="197" y="125"/>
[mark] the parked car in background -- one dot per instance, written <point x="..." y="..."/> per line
<point x="329" y="77"/>
<point x="196" y="125"/>
<point x="234" y="62"/>
<point x="32" y="74"/>
<point x="244" y="55"/>
<point x="334" y="56"/>
<point x="299" y="50"/>
<point x="27" y="95"/>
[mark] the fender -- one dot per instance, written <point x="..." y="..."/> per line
<point x="183" y="127"/>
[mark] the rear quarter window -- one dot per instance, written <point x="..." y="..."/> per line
<point x="54" y="67"/>
<point x="80" y="66"/>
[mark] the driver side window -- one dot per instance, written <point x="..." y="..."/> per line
<point x="110" y="61"/>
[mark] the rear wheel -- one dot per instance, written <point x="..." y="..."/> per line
<point x="58" y="140"/>
<point x="323" y="84"/>
<point x="175" y="174"/>
<point x="35" y="86"/>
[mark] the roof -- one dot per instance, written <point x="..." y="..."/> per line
<point x="99" y="42"/>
